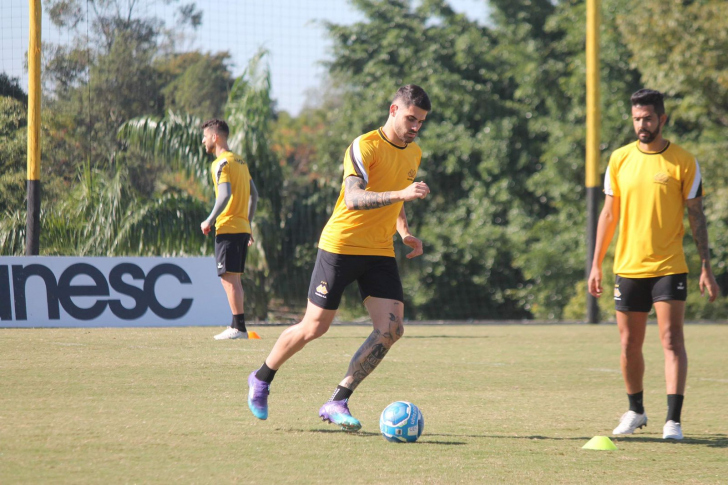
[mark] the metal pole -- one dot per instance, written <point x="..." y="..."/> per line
<point x="593" y="128"/>
<point x="32" y="222"/>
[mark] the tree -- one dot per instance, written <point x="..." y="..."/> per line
<point x="476" y="176"/>
<point x="199" y="83"/>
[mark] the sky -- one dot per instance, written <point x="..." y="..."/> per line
<point x="291" y="30"/>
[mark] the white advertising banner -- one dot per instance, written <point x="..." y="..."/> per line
<point x="48" y="291"/>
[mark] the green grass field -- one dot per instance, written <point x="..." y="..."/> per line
<point x="502" y="404"/>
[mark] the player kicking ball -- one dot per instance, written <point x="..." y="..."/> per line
<point x="356" y="245"/>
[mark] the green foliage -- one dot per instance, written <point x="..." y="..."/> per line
<point x="477" y="178"/>
<point x="10" y="87"/>
<point x="199" y="84"/>
<point x="175" y="139"/>
<point x="13" y="134"/>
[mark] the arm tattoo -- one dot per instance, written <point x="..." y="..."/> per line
<point x="700" y="232"/>
<point x="373" y="350"/>
<point x="356" y="195"/>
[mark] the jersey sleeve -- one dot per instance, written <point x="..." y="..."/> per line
<point x="358" y="159"/>
<point x="693" y="184"/>
<point x="611" y="187"/>
<point x="222" y="172"/>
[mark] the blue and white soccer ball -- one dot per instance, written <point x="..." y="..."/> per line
<point x="401" y="422"/>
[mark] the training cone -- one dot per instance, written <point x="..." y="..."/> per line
<point x="599" y="443"/>
<point x="253" y="336"/>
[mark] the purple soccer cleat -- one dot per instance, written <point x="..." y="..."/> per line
<point x="337" y="412"/>
<point x="258" y="396"/>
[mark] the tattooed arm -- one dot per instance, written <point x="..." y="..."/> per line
<point x="358" y="198"/>
<point x="700" y="235"/>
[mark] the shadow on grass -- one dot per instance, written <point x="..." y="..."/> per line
<point x="368" y="434"/>
<point x="714" y="441"/>
<point x="466" y="337"/>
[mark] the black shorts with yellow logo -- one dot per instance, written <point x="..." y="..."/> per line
<point x="377" y="276"/>
<point x="638" y="294"/>
<point x="230" y="252"/>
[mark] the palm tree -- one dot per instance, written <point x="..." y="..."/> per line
<point x="102" y="216"/>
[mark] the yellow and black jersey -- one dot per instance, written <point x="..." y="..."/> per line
<point x="384" y="167"/>
<point x="652" y="188"/>
<point x="229" y="167"/>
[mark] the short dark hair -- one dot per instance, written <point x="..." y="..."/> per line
<point x="413" y="94"/>
<point x="649" y="97"/>
<point x="219" y="126"/>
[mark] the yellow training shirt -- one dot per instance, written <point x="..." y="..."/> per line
<point x="384" y="167"/>
<point x="652" y="188"/>
<point x="229" y="167"/>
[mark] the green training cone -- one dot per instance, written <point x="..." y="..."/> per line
<point x="599" y="443"/>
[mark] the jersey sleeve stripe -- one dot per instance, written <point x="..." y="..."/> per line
<point x="357" y="161"/>
<point x="608" y="183"/>
<point x="696" y="190"/>
<point x="220" y="165"/>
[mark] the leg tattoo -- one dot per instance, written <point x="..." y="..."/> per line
<point x="372" y="352"/>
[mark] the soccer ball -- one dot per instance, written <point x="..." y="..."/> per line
<point x="401" y="422"/>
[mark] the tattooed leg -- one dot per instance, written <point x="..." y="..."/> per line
<point x="387" y="318"/>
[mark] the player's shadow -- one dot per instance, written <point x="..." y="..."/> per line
<point x="711" y="441"/>
<point x="529" y="437"/>
<point x="368" y="434"/>
<point x="446" y="336"/>
<point x="467" y="337"/>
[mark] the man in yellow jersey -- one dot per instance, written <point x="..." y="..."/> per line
<point x="647" y="185"/>
<point x="356" y="245"/>
<point x="235" y="201"/>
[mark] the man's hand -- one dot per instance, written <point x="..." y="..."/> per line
<point x="707" y="280"/>
<point x="251" y="240"/>
<point x="206" y="227"/>
<point x="417" y="190"/>
<point x="594" y="285"/>
<point x="414" y="243"/>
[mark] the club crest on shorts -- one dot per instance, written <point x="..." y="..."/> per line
<point x="617" y="293"/>
<point x="322" y="290"/>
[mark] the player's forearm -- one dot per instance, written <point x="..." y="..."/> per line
<point x="223" y="197"/>
<point x="252" y="202"/>
<point x="699" y="227"/>
<point x="357" y="198"/>
<point x="605" y="232"/>
<point x="402" y="225"/>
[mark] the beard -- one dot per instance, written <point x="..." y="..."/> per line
<point x="407" y="136"/>
<point x="649" y="136"/>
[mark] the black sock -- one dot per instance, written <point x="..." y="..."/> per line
<point x="341" y="394"/>
<point x="265" y="373"/>
<point x="635" y="402"/>
<point x="239" y="322"/>
<point x="674" y="407"/>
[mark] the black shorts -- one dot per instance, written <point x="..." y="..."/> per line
<point x="377" y="276"/>
<point x="230" y="252"/>
<point x="638" y="294"/>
